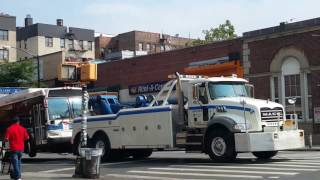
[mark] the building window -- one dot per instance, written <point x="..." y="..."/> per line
<point x="148" y="46"/>
<point x="4" y="54"/>
<point x="140" y="46"/>
<point x="62" y="43"/>
<point x="25" y="44"/>
<point x="4" y="35"/>
<point x="89" y="45"/>
<point x="81" y="44"/>
<point x="49" y="42"/>
<point x="70" y="44"/>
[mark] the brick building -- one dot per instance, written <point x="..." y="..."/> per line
<point x="282" y="62"/>
<point x="135" y="41"/>
<point x="286" y="58"/>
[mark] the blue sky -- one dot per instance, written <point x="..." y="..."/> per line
<point x="182" y="17"/>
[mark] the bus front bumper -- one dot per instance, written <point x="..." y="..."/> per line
<point x="59" y="136"/>
<point x="269" y="141"/>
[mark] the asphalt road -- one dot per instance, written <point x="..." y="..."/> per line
<point x="177" y="165"/>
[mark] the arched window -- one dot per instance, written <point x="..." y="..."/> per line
<point x="291" y="75"/>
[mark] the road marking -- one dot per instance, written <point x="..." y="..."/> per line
<point x="301" y="163"/>
<point x="226" y="171"/>
<point x="126" y="162"/>
<point x="149" y="177"/>
<point x="267" y="164"/>
<point x="57" y="170"/>
<point x="273" y="177"/>
<point x="305" y="160"/>
<point x="104" y="164"/>
<point x="197" y="174"/>
<point x="247" y="167"/>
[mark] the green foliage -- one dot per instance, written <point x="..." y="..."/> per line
<point x="17" y="74"/>
<point x="223" y="32"/>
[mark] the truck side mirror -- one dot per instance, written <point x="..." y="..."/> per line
<point x="195" y="93"/>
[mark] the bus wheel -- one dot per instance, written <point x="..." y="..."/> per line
<point x="264" y="154"/>
<point x="102" y="142"/>
<point x="220" y="146"/>
<point x="141" y="153"/>
<point x="32" y="150"/>
<point x="33" y="153"/>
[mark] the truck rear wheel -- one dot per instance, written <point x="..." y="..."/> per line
<point x="220" y="146"/>
<point x="141" y="153"/>
<point x="102" y="142"/>
<point x="264" y="154"/>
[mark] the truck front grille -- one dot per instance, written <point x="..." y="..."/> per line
<point x="271" y="114"/>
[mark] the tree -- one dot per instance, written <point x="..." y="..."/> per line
<point x="223" y="32"/>
<point x="17" y="74"/>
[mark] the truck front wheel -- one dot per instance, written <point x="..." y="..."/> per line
<point x="220" y="146"/>
<point x="264" y="154"/>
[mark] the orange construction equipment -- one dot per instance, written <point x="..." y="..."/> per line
<point x="224" y="69"/>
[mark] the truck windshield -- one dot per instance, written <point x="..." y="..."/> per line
<point x="76" y="104"/>
<point x="227" y="89"/>
<point x="58" y="108"/>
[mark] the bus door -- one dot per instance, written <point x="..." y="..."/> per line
<point x="39" y="124"/>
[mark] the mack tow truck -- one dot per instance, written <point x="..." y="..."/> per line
<point x="214" y="115"/>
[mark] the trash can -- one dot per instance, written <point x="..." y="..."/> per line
<point x="90" y="162"/>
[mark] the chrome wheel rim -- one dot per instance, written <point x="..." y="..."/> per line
<point x="218" y="146"/>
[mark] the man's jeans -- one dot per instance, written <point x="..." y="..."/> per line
<point x="16" y="163"/>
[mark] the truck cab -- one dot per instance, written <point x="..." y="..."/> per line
<point x="224" y="113"/>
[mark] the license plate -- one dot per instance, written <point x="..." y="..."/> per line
<point x="272" y="123"/>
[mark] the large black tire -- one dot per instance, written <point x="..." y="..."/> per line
<point x="32" y="150"/>
<point x="264" y="154"/>
<point x="220" y="145"/>
<point x="141" y="153"/>
<point x="102" y="141"/>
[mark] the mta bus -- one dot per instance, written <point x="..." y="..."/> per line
<point x="47" y="114"/>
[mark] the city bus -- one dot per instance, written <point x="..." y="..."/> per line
<point x="47" y="114"/>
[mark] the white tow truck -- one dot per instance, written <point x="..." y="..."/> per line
<point x="214" y="115"/>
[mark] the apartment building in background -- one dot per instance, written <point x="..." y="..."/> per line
<point x="42" y="39"/>
<point x="135" y="43"/>
<point x="54" y="44"/>
<point x="7" y="38"/>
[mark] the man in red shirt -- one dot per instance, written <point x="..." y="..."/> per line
<point x="16" y="135"/>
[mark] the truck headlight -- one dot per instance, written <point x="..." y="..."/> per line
<point x="242" y="127"/>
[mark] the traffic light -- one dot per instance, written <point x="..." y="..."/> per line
<point x="88" y="72"/>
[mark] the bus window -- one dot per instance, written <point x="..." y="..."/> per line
<point x="76" y="104"/>
<point x="58" y="108"/>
